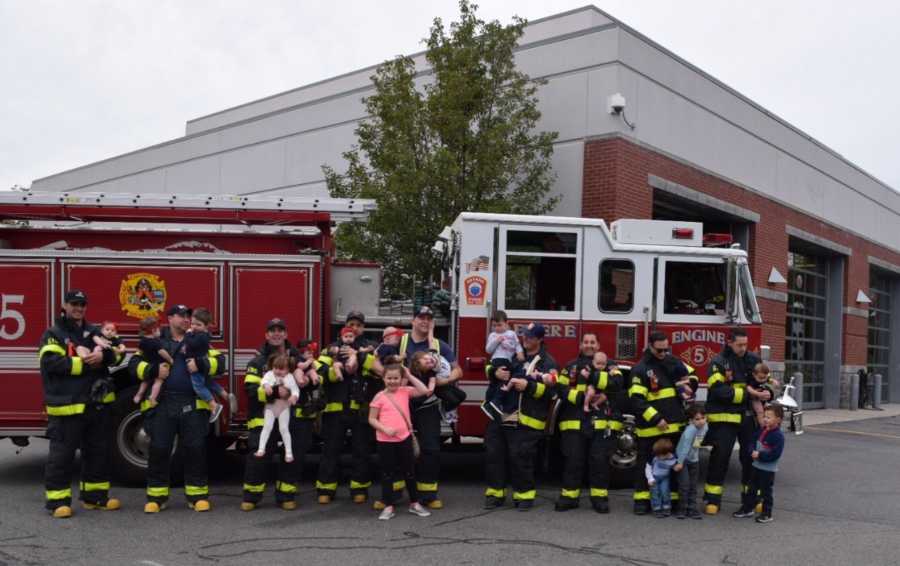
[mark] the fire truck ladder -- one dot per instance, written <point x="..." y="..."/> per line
<point x="184" y="208"/>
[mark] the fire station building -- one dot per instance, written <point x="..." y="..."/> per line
<point x="821" y="233"/>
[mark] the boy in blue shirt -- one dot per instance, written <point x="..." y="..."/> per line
<point x="769" y="446"/>
<point x="688" y="466"/>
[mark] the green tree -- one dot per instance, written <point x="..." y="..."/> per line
<point x="460" y="136"/>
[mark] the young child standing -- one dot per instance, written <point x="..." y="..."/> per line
<point x="688" y="466"/>
<point x="389" y="415"/>
<point x="196" y="346"/>
<point x="279" y="374"/>
<point x="769" y="447"/>
<point x="152" y="349"/>
<point x="657" y="472"/>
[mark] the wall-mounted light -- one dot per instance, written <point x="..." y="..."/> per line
<point x="862" y="297"/>
<point x="775" y="277"/>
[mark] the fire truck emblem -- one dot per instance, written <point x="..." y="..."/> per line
<point x="698" y="355"/>
<point x="476" y="289"/>
<point x="142" y="295"/>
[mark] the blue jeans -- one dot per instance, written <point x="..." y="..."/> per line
<point x="660" y="497"/>
<point x="198" y="382"/>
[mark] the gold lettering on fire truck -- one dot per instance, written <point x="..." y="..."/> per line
<point x="551" y="330"/>
<point x="142" y="295"/>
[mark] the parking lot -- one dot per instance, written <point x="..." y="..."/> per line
<point x="836" y="502"/>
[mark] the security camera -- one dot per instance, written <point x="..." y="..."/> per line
<point x="615" y="103"/>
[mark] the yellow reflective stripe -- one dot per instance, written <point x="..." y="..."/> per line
<point x="603" y="381"/>
<point x="491" y="492"/>
<point x="539" y="389"/>
<point x="201" y="404"/>
<point x="94" y="486"/>
<point x="213" y="364"/>
<point x="368" y="364"/>
<point x="421" y="486"/>
<point x="715" y="378"/>
<point x="688" y="367"/>
<point x="733" y="418"/>
<point x="256" y="423"/>
<point x="649" y="413"/>
<point x="326" y="486"/>
<point x="674" y="496"/>
<point x="532" y="422"/>
<point x="572" y="397"/>
<point x="361" y="485"/>
<point x="569" y="425"/>
<point x="251" y="370"/>
<point x="325" y="359"/>
<point x="738" y="393"/>
<point x="146" y="404"/>
<point x="77" y="366"/>
<point x="562" y="379"/>
<point x="641" y="496"/>
<point x="354" y="404"/>
<point x="142" y="369"/>
<point x="285" y="487"/>
<point x="157" y="491"/>
<point x="54" y="494"/>
<point x="601" y="424"/>
<point x="255" y="487"/>
<point x="663" y="393"/>
<point x="654" y="431"/>
<point x="525" y="495"/>
<point x="336" y="407"/>
<point x="570" y="493"/>
<point x="196" y="490"/>
<point x="261" y="394"/>
<point x="398" y="485"/>
<point x="51" y="348"/>
<point x="252" y="378"/>
<point x="404" y="342"/>
<point x="599" y="492"/>
<point x="65" y="410"/>
<point x="637" y="390"/>
<point x="300" y="414"/>
<point x="713" y="489"/>
<point x="109" y="397"/>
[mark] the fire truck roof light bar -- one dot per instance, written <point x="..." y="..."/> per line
<point x="233" y="209"/>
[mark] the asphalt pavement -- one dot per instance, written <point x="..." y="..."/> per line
<point x="837" y="501"/>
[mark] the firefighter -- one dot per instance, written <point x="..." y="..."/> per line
<point x="427" y="419"/>
<point x="344" y="411"/>
<point x="511" y="443"/>
<point x="301" y="426"/>
<point x="658" y="408"/>
<point x="77" y="394"/>
<point x="574" y="437"/>
<point x="730" y="417"/>
<point x="178" y="412"/>
<point x="605" y="422"/>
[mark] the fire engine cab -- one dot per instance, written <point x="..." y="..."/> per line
<point x="576" y="275"/>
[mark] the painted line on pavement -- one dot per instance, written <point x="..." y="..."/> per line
<point x="857" y="432"/>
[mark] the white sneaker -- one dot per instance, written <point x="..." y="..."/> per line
<point x="386" y="513"/>
<point x="417" y="509"/>
<point x="232" y="404"/>
<point x="215" y="415"/>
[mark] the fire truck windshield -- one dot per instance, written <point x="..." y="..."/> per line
<point x="748" y="295"/>
<point x="695" y="288"/>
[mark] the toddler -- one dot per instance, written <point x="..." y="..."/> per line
<point x="759" y="383"/>
<point x="390" y="343"/>
<point x="307" y="362"/>
<point x="279" y="374"/>
<point x="152" y="349"/>
<point x="502" y="342"/>
<point x="769" y="447"/>
<point x="657" y="472"/>
<point x="592" y="399"/>
<point x="196" y="347"/>
<point x="343" y="362"/>
<point x="688" y="466"/>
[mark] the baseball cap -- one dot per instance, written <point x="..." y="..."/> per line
<point x="181" y="310"/>
<point x="75" y="296"/>
<point x="501" y="363"/>
<point x="424" y="310"/>
<point x="276" y="323"/>
<point x="356" y="315"/>
<point x="535" y="330"/>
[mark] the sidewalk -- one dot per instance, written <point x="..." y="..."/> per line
<point x="815" y="417"/>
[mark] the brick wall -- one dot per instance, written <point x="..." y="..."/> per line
<point x="615" y="186"/>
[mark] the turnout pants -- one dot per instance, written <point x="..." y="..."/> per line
<point x="602" y="447"/>
<point x="575" y="446"/>
<point x="334" y="428"/>
<point x="721" y="437"/>
<point x="510" y="452"/>
<point x="88" y="432"/>
<point x="427" y="423"/>
<point x="177" y="415"/>
<point x="644" y="455"/>
<point x="256" y="470"/>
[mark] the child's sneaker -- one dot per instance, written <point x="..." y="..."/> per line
<point x="694" y="514"/>
<point x="216" y="412"/>
<point x="764" y="518"/>
<point x="743" y="513"/>
<point x="386" y="513"/>
<point x="417" y="509"/>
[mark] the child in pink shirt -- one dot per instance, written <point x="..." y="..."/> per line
<point x="389" y="416"/>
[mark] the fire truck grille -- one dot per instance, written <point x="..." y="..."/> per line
<point x="626" y="341"/>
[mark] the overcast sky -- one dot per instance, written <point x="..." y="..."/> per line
<point x="86" y="80"/>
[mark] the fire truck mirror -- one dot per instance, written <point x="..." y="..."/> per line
<point x="731" y="302"/>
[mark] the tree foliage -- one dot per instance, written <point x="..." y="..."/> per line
<point x="460" y="136"/>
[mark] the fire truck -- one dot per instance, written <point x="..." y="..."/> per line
<point x="250" y="259"/>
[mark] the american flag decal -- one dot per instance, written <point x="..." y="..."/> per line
<point x="480" y="263"/>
